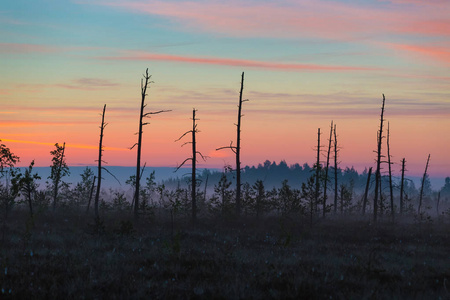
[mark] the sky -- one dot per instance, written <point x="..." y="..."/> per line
<point x="306" y="63"/>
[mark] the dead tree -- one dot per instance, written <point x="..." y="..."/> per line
<point x="316" y="193"/>
<point x="402" y="184"/>
<point x="326" y="171"/>
<point x="193" y="159"/>
<point x="99" y="175"/>
<point x="142" y="115"/>
<point x="366" y="191"/>
<point x="377" y="172"/>
<point x="91" y="192"/>
<point x="391" y="190"/>
<point x="335" y="170"/>
<point x="423" y="184"/>
<point x="237" y="150"/>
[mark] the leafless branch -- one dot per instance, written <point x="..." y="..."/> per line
<point x="182" y="164"/>
<point x="190" y="131"/>
<point x="233" y="148"/>
<point x="155" y="112"/>
<point x="111" y="174"/>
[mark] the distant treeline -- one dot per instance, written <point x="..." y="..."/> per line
<point x="273" y="175"/>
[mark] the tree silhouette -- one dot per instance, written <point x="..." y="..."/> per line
<point x="142" y="115"/>
<point x="7" y="158"/>
<point x="26" y="183"/>
<point x="366" y="191"/>
<point x="336" y="150"/>
<point x="377" y="172"/>
<point x="423" y="184"/>
<point x="326" y="171"/>
<point x="391" y="190"/>
<point x="402" y="186"/>
<point x="59" y="169"/>
<point x="237" y="150"/>
<point x="99" y="174"/>
<point x="193" y="159"/>
<point x="318" y="171"/>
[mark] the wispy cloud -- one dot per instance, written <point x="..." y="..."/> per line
<point x="294" y="19"/>
<point x="417" y="2"/>
<point x="14" y="48"/>
<point x="437" y="53"/>
<point x="144" y="56"/>
<point x="26" y="48"/>
<point x="34" y="124"/>
<point x="68" y="145"/>
<point x="88" y="84"/>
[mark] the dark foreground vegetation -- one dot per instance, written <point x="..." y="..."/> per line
<point x="66" y="255"/>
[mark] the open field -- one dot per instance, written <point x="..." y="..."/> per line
<point x="65" y="256"/>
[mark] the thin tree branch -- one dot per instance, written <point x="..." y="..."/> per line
<point x="155" y="112"/>
<point x="182" y="164"/>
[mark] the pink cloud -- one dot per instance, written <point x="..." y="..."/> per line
<point x="13" y="48"/>
<point x="294" y="19"/>
<point x="236" y="62"/>
<point x="24" y="48"/>
<point x="437" y="53"/>
<point x="417" y="2"/>
<point x="427" y="27"/>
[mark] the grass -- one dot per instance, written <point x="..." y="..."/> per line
<point x="67" y="256"/>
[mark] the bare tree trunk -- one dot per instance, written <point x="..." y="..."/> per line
<point x="377" y="172"/>
<point x="139" y="143"/>
<point x="381" y="206"/>
<point x="99" y="175"/>
<point x="58" y="177"/>
<point x="316" y="194"/>
<point x="238" y="152"/>
<point x="366" y="192"/>
<point x="423" y="183"/>
<point x="194" y="161"/>
<point x="335" y="171"/>
<point x="194" y="165"/>
<point x="402" y="186"/>
<point x="391" y="190"/>
<point x="326" y="171"/>
<point x="90" y="194"/>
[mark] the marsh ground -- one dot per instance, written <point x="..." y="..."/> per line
<point x="66" y="256"/>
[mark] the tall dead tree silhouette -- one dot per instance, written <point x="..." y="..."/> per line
<point x="391" y="190"/>
<point x="193" y="159"/>
<point x="326" y="171"/>
<point x="402" y="184"/>
<point x="318" y="167"/>
<point x="422" y="186"/>
<point x="366" y="191"/>
<point x="237" y="150"/>
<point x="377" y="172"/>
<point x="145" y="82"/>
<point x="336" y="150"/>
<point x="99" y="175"/>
